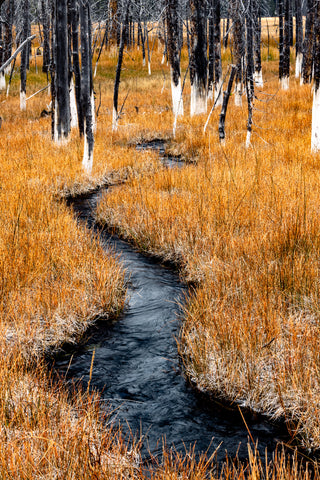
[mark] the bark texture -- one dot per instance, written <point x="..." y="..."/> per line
<point x="198" y="58"/>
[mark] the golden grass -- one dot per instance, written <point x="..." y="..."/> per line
<point x="242" y="225"/>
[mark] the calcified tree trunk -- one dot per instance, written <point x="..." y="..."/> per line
<point x="250" y="69"/>
<point x="299" y="38"/>
<point x="86" y="85"/>
<point x="256" y="17"/>
<point x="174" y="56"/>
<point x="238" y="47"/>
<point x="226" y="96"/>
<point x="115" y="115"/>
<point x="307" y="62"/>
<point x="198" y="59"/>
<point x="46" y="34"/>
<point x="315" y="134"/>
<point x="24" y="56"/>
<point x="62" y="100"/>
<point x="74" y="15"/>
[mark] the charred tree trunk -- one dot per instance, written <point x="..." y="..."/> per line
<point x="299" y="38"/>
<point x="74" y="14"/>
<point x="198" y="59"/>
<point x="256" y="16"/>
<point x="62" y="105"/>
<point x="86" y="85"/>
<point x="238" y="47"/>
<point x="250" y="69"/>
<point x="315" y="134"/>
<point x="211" y="52"/>
<point x="8" y="30"/>
<point x="174" y="56"/>
<point x="24" y="56"/>
<point x="46" y="34"/>
<point x="115" y="116"/>
<point x="307" y="62"/>
<point x="217" y="53"/>
<point x="226" y="96"/>
<point x="281" y="36"/>
<point x="286" y="47"/>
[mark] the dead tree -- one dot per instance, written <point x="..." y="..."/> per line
<point x="198" y="58"/>
<point x="226" y="96"/>
<point x="299" y="38"/>
<point x="250" y="69"/>
<point x="62" y="98"/>
<point x="307" y="63"/>
<point x="238" y="46"/>
<point x="315" y="133"/>
<point x="24" y="56"/>
<point x="286" y="47"/>
<point x="46" y="35"/>
<point x="74" y="16"/>
<point x="86" y="85"/>
<point x="256" y="18"/>
<point x="174" y="55"/>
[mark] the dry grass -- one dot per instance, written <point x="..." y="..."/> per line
<point x="242" y="224"/>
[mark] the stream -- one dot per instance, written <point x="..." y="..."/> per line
<point x="137" y="366"/>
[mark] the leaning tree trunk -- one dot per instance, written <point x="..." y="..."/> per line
<point x="198" y="58"/>
<point x="299" y="38"/>
<point x="174" y="56"/>
<point x="24" y="56"/>
<point x="62" y="101"/>
<point x="307" y="63"/>
<point x="286" y="47"/>
<point x="238" y="47"/>
<point x="86" y="85"/>
<point x="315" y="133"/>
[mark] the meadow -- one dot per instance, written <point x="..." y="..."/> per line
<point x="240" y="224"/>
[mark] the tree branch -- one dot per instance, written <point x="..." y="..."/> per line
<point x="4" y="66"/>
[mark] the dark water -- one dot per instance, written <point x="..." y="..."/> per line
<point x="137" y="367"/>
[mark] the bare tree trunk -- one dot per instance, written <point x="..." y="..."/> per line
<point x="256" y="12"/>
<point x="46" y="34"/>
<point x="24" y="56"/>
<point x="307" y="62"/>
<point x="286" y="47"/>
<point x="8" y="30"/>
<point x="211" y="52"/>
<point x="74" y="13"/>
<point x="226" y="96"/>
<point x="174" y="56"/>
<point x="62" y="106"/>
<point x="250" y="69"/>
<point x="217" y="53"/>
<point x="281" y="43"/>
<point x="299" y="39"/>
<point x="315" y="134"/>
<point x="86" y="85"/>
<point x="238" y="47"/>
<point x="198" y="59"/>
<point x="115" y="116"/>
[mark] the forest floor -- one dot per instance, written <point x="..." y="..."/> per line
<point x="242" y="224"/>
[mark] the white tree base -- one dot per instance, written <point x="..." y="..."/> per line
<point x="248" y="139"/>
<point x="198" y="102"/>
<point x="2" y="81"/>
<point x="299" y="59"/>
<point x="238" y="95"/>
<point x="315" y="130"/>
<point x="87" y="161"/>
<point x="218" y="94"/>
<point x="258" y="79"/>
<point x="114" y="120"/>
<point x="284" y="82"/>
<point x="177" y="101"/>
<point x="93" y="111"/>
<point x="23" y="102"/>
<point x="149" y="68"/>
<point x="210" y="93"/>
<point x="73" y="106"/>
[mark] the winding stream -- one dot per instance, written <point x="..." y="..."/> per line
<point x="137" y="367"/>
